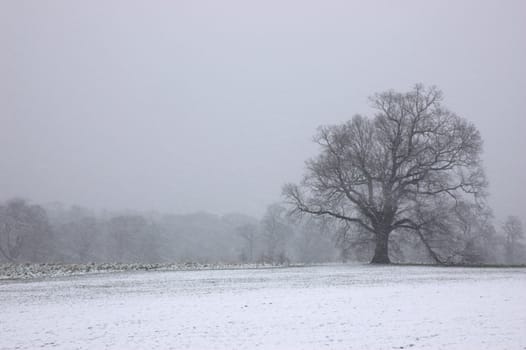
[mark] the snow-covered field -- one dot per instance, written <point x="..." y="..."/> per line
<point x="346" y="306"/>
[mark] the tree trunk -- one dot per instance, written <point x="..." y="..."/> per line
<point x="381" y="251"/>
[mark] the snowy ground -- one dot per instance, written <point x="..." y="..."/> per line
<point x="347" y="307"/>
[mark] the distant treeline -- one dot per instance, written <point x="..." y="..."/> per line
<point x="57" y="233"/>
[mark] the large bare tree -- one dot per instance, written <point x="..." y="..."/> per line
<point x="388" y="172"/>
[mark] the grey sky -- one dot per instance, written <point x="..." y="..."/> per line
<point x="211" y="105"/>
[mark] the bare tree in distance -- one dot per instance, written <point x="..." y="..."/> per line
<point x="248" y="232"/>
<point x="313" y="238"/>
<point x="514" y="233"/>
<point x="133" y="238"/>
<point x="460" y="233"/>
<point x="11" y="226"/>
<point x="388" y="172"/>
<point x="24" y="231"/>
<point x="275" y="232"/>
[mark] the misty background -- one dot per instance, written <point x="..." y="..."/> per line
<point x="204" y="106"/>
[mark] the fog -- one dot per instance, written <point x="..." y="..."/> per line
<point x="211" y="106"/>
<point x="262" y="174"/>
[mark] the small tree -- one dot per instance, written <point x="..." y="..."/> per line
<point x="462" y="233"/>
<point x="275" y="231"/>
<point x="248" y="232"/>
<point x="312" y="240"/>
<point x="388" y="172"/>
<point x="24" y="231"/>
<point x="132" y="238"/>
<point x="514" y="233"/>
<point x="11" y="228"/>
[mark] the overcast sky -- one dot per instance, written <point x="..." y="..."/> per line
<point x="181" y="106"/>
